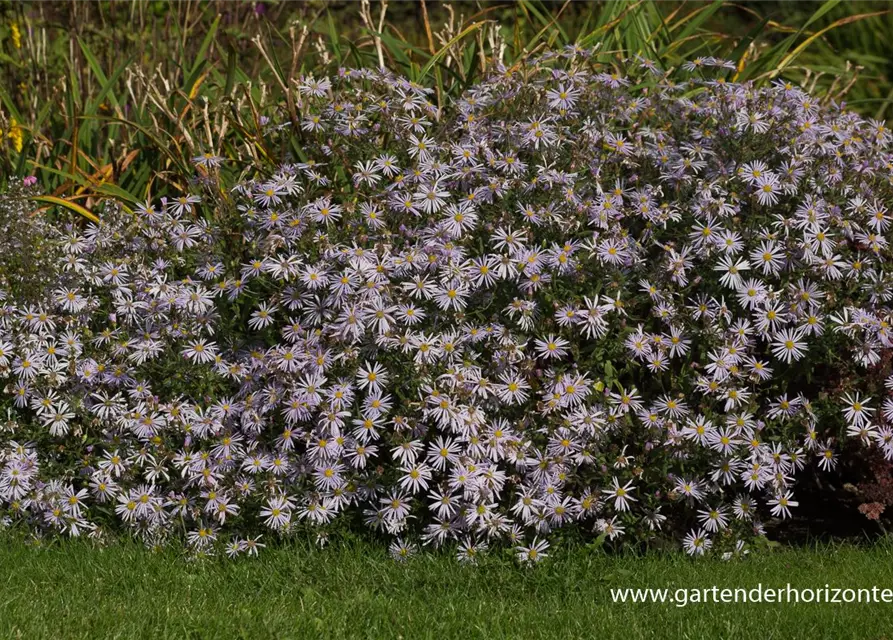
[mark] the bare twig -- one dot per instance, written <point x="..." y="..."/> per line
<point x="431" y="48"/>
<point x="366" y="17"/>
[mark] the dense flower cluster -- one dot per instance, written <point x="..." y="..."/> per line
<point x="580" y="295"/>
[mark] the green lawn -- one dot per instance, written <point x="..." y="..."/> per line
<point x="356" y="591"/>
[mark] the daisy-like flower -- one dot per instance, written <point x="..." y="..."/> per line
<point x="767" y="257"/>
<point x="451" y="296"/>
<point x="387" y="164"/>
<point x="372" y="376"/>
<point x="401" y="550"/>
<point x="533" y="553"/>
<point x="781" y="504"/>
<point x="627" y="400"/>
<point x="262" y="317"/>
<point x="788" y="345"/>
<point x="743" y="508"/>
<point x="421" y="148"/>
<point x="732" y="268"/>
<point x="856" y="410"/>
<point x="200" y="351"/>
<point x="460" y="219"/>
<point x="366" y="173"/>
<point x="6" y="352"/>
<point x="277" y="512"/>
<point x="415" y="477"/>
<point x="827" y="458"/>
<point x="513" y="389"/>
<point x="620" y="495"/>
<point x="324" y="211"/>
<point x="690" y="489"/>
<point x="713" y="519"/>
<point x="431" y="198"/>
<point x="57" y="419"/>
<point x="182" y="205"/>
<point x="126" y="508"/>
<point x="697" y="543"/>
<point x="768" y="190"/>
<point x="483" y="271"/>
<point x="317" y="87"/>
<point x="373" y="215"/>
<point x="755" y="121"/>
<point x="207" y="160"/>
<point x="562" y="97"/>
<point x="551" y="347"/>
<point x="395" y="506"/>
<point x="269" y="194"/>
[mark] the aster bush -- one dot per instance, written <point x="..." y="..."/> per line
<point x="581" y="297"/>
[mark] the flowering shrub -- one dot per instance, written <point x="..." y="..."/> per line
<point x="579" y="296"/>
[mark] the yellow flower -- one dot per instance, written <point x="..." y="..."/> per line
<point x="15" y="134"/>
<point x="16" y="36"/>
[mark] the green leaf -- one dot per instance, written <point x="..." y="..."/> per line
<point x="108" y="84"/>
<point x="10" y="105"/>
<point x="71" y="206"/>
<point x="333" y="37"/>
<point x="203" y="49"/>
<point x="837" y="23"/>
<point x="161" y="146"/>
<point x="446" y="48"/>
<point x="230" y="72"/>
<point x="701" y="15"/>
<point x="599" y="542"/>
<point x="742" y="47"/>
<point x="396" y="48"/>
<point x="774" y="56"/>
<point x="96" y="68"/>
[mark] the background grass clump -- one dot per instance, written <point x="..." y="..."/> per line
<point x="355" y="591"/>
<point x="107" y="99"/>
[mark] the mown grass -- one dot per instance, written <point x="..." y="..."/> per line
<point x="356" y="591"/>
